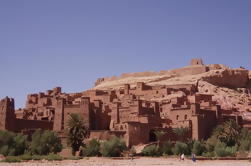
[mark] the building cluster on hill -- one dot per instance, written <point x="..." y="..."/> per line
<point x="133" y="113"/>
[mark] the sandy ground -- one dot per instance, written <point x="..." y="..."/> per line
<point x="135" y="162"/>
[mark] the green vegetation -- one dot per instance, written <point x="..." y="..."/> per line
<point x="12" y="144"/>
<point x="113" y="147"/>
<point x="228" y="132"/>
<point x="76" y="132"/>
<point x="159" y="135"/>
<point x="92" y="149"/>
<point x="12" y="159"/>
<point x="151" y="150"/>
<point x="226" y="140"/>
<point x="166" y="148"/>
<point x="17" y="148"/>
<point x="53" y="157"/>
<point x="181" y="132"/>
<point x="45" y="142"/>
<point x="245" y="140"/>
<point x="198" y="148"/>
<point x="221" y="150"/>
<point x="180" y="148"/>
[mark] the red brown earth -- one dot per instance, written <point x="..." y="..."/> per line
<point x="134" y="105"/>
<point x="136" y="162"/>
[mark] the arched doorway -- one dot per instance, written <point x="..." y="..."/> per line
<point x="152" y="136"/>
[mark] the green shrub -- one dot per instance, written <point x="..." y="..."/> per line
<point x="198" y="148"/>
<point x="166" y="148"/>
<point x="12" y="159"/>
<point x="26" y="157"/>
<point x="210" y="144"/>
<point x="92" y="148"/>
<point x="245" y="141"/>
<point x="12" y="144"/>
<point x="180" y="148"/>
<point x="37" y="157"/>
<point x="113" y="147"/>
<point x="45" y="142"/>
<point x="245" y="145"/>
<point x="151" y="150"/>
<point x="231" y="150"/>
<point x="208" y="154"/>
<point x="221" y="150"/>
<point x="52" y="157"/>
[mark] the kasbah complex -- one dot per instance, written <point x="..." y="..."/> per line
<point x="135" y="105"/>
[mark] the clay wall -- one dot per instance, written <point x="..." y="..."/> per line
<point x="169" y="135"/>
<point x="22" y="125"/>
<point x="137" y="134"/>
<point x="190" y="70"/>
<point x="203" y="124"/>
<point x="232" y="78"/>
<point x="105" y="134"/>
<point x="180" y="115"/>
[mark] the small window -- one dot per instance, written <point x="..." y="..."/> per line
<point x="185" y="117"/>
<point x="177" y="117"/>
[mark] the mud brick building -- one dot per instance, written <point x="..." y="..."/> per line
<point x="132" y="112"/>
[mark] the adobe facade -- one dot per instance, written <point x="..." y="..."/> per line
<point x="133" y="113"/>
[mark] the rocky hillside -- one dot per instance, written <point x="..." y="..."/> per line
<point x="230" y="87"/>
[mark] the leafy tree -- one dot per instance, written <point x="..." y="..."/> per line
<point x="198" y="148"/>
<point x="228" y="132"/>
<point x="159" y="135"/>
<point x="113" y="147"/>
<point x="76" y="132"/>
<point x="92" y="148"/>
<point x="45" y="142"/>
<point x="12" y="144"/>
<point x="181" y="132"/>
<point x="210" y="143"/>
<point x="180" y="148"/>
<point x="166" y="148"/>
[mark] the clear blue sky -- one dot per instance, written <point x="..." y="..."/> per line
<point x="48" y="43"/>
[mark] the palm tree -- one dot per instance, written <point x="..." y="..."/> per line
<point x="181" y="132"/>
<point x="76" y="132"/>
<point x="159" y="134"/>
<point x="228" y="132"/>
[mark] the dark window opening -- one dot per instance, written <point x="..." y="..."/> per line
<point x="152" y="136"/>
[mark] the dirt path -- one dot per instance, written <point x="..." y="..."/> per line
<point x="135" y="162"/>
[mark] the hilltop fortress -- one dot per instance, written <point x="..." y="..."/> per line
<point x="135" y="105"/>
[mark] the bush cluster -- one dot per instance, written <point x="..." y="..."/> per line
<point x="27" y="157"/>
<point x="226" y="140"/>
<point x="43" y="143"/>
<point x="113" y="147"/>
<point x="91" y="149"/>
<point x="151" y="150"/>
<point x="12" y="144"/>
